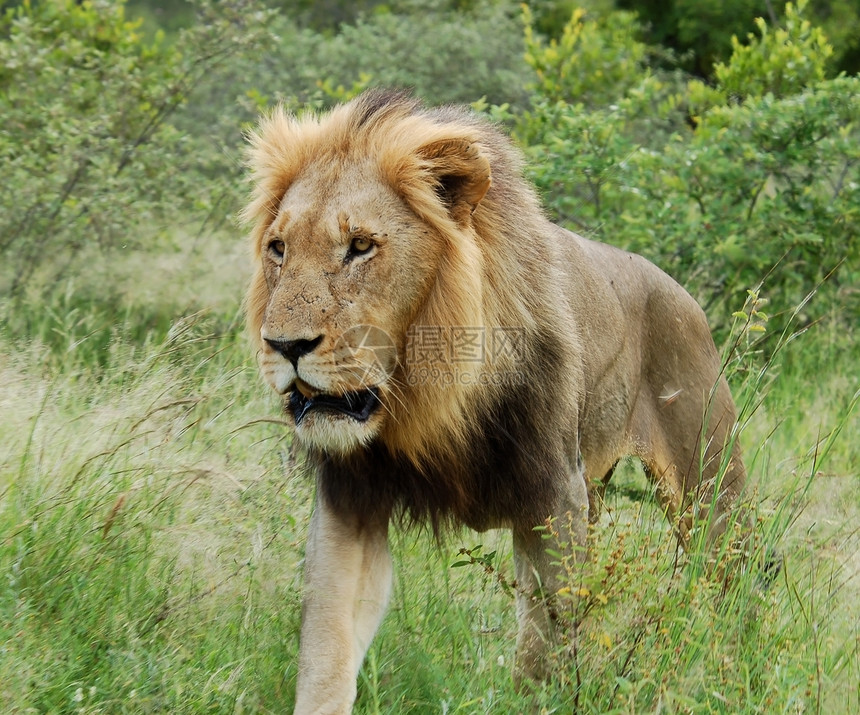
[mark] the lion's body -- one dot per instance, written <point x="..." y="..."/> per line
<point x="548" y="357"/>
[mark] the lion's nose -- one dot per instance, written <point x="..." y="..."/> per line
<point x="292" y="350"/>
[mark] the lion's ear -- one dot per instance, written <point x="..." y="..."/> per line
<point x="461" y="173"/>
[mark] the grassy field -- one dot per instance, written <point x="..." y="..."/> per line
<point x="153" y="513"/>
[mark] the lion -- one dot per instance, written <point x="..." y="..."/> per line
<point x="448" y="356"/>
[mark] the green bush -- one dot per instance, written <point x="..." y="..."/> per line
<point x="760" y="184"/>
<point x="764" y="189"/>
<point x="444" y="55"/>
<point x="91" y="154"/>
<point x="594" y="61"/>
<point x="782" y="61"/>
<point x="699" y="32"/>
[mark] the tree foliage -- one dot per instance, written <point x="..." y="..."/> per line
<point x="592" y="61"/>
<point x="90" y="153"/>
<point x="780" y="61"/>
<point x="755" y="178"/>
<point x="700" y="31"/>
<point x="109" y="133"/>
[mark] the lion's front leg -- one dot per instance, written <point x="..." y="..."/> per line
<point x="347" y="584"/>
<point x="539" y="631"/>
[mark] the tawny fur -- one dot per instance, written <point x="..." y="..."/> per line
<point x="616" y="360"/>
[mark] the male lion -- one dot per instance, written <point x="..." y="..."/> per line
<point x="448" y="355"/>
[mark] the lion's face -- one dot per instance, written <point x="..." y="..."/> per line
<point x="346" y="265"/>
<point x="364" y="227"/>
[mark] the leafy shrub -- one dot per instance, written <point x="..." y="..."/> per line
<point x="782" y="61"/>
<point x="699" y="32"/>
<point x="453" y="52"/>
<point x="762" y="186"/>
<point x="443" y="54"/>
<point x="765" y="188"/>
<point x="90" y="152"/>
<point x="593" y="61"/>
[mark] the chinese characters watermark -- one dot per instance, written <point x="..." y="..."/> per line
<point x="436" y="355"/>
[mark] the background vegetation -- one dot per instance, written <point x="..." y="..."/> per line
<point x="152" y="509"/>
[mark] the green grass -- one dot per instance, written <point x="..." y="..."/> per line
<point x="153" y="513"/>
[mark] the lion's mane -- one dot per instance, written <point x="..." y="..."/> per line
<point x="442" y="446"/>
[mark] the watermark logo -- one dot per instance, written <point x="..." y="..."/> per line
<point x="449" y="376"/>
<point x="437" y="355"/>
<point x="368" y="353"/>
<point x="433" y="345"/>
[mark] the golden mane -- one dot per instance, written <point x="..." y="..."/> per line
<point x="491" y="256"/>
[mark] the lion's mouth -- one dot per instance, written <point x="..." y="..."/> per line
<point x="358" y="405"/>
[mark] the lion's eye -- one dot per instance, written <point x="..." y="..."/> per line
<point x="276" y="250"/>
<point x="360" y="245"/>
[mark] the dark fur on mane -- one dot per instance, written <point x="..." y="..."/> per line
<point x="509" y="474"/>
<point x="377" y="104"/>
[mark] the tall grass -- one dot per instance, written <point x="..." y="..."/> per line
<point x="130" y="518"/>
<point x="153" y="512"/>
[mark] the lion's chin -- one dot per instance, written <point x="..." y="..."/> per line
<point x="335" y="423"/>
<point x="357" y="406"/>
